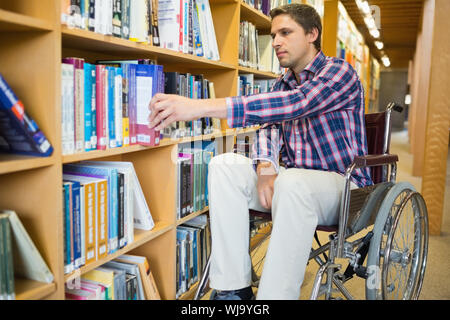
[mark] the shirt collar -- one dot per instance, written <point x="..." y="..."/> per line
<point x="314" y="66"/>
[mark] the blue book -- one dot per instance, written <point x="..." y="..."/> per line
<point x="113" y="201"/>
<point x="18" y="131"/>
<point x="198" y="46"/>
<point x="68" y="263"/>
<point x="76" y="227"/>
<point x="110" y="106"/>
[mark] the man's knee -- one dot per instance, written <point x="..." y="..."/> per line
<point x="227" y="159"/>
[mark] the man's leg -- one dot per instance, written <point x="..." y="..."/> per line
<point x="302" y="200"/>
<point x="232" y="191"/>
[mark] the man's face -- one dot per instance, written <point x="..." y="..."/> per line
<point x="291" y="44"/>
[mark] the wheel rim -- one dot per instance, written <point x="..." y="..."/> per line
<point x="403" y="248"/>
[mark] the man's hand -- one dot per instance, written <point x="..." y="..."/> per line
<point x="266" y="179"/>
<point x="168" y="108"/>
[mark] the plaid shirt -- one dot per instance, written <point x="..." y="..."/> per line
<point x="318" y="124"/>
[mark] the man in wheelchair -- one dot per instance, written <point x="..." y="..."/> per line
<point x="314" y="118"/>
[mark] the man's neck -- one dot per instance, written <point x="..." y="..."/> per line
<point x="308" y="58"/>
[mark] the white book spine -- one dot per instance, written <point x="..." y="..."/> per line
<point x="79" y="110"/>
<point x="68" y="109"/>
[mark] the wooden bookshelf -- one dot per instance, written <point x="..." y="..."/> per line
<point x="32" y="290"/>
<point x="32" y="44"/>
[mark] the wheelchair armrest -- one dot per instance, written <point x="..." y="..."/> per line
<point x="371" y="160"/>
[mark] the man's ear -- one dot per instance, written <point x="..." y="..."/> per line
<point x="312" y="35"/>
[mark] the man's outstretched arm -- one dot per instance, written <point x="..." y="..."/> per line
<point x="167" y="108"/>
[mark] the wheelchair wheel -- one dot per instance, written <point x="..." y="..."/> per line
<point x="399" y="247"/>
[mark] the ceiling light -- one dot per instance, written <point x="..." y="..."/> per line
<point x="386" y="61"/>
<point x="365" y="7"/>
<point x="374" y="32"/>
<point x="379" y="45"/>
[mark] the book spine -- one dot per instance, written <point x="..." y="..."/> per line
<point x="76" y="224"/>
<point x="93" y="106"/>
<point x="82" y="225"/>
<point x="125" y="19"/>
<point x="125" y="102"/>
<point x="154" y="25"/>
<point x="132" y="107"/>
<point x="102" y="219"/>
<point x="90" y="210"/>
<point x="67" y="108"/>
<point x="100" y="106"/>
<point x="118" y="98"/>
<point x="117" y="18"/>
<point x="121" y="220"/>
<point x="111" y="107"/>
<point x="91" y="21"/>
<point x="79" y="105"/>
<point x="9" y="268"/>
<point x="108" y="17"/>
<point x="66" y="229"/>
<point x="113" y="213"/>
<point x="3" y="283"/>
<point x="87" y="106"/>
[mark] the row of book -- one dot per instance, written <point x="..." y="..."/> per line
<point x="255" y="50"/>
<point x="181" y="25"/>
<point x="106" y="105"/>
<point x="266" y="5"/>
<point x="127" y="277"/>
<point x="102" y="204"/>
<point x="134" y="20"/>
<point x="19" y="133"/>
<point x="193" y="250"/>
<point x="195" y="87"/>
<point x="192" y="176"/>
<point x="19" y="256"/>
<point x="248" y="85"/>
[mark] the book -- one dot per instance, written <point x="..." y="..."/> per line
<point x="142" y="217"/>
<point x="148" y="281"/>
<point x="19" y="133"/>
<point x="28" y="262"/>
<point x="103" y="277"/>
<point x="7" y="291"/>
<point x="111" y="175"/>
<point x="67" y="108"/>
<point x="143" y="87"/>
<point x="78" y="64"/>
<point x="130" y="268"/>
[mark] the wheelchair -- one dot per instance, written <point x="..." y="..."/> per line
<point x="387" y="223"/>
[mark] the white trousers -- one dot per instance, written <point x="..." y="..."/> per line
<point x="302" y="199"/>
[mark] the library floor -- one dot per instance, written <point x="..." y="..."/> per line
<point x="436" y="284"/>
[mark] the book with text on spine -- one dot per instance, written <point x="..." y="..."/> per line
<point x="18" y="131"/>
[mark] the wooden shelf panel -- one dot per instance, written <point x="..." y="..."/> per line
<point x="259" y="19"/>
<point x="140" y="237"/>
<point x="134" y="148"/>
<point x="91" y="41"/>
<point x="11" y="21"/>
<point x="13" y="163"/>
<point x="32" y="290"/>
<point x="192" y="215"/>
<point x="90" y="155"/>
<point x="258" y="73"/>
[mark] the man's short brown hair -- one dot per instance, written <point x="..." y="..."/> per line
<point x="305" y="15"/>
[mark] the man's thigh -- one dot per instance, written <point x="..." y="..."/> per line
<point x="318" y="191"/>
